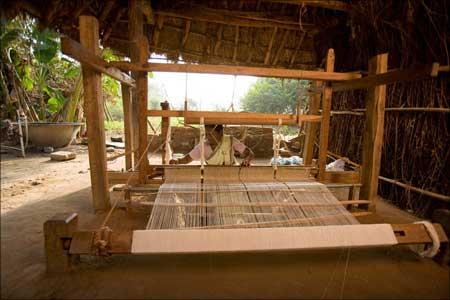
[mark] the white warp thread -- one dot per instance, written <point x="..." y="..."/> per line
<point x="434" y="249"/>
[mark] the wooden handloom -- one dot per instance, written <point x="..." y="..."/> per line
<point x="226" y="209"/>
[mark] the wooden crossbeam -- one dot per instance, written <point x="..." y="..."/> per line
<point x="328" y="4"/>
<point x="235" y="118"/>
<point x="121" y="241"/>
<point x="411" y="74"/>
<point x="237" y="70"/>
<point x="229" y="17"/>
<point x="75" y="50"/>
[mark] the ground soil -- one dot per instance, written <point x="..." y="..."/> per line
<point x="34" y="189"/>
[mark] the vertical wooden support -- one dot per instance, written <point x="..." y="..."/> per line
<point x="139" y="55"/>
<point x="94" y="110"/>
<point x="58" y="233"/>
<point x="373" y="135"/>
<point x="128" y="126"/>
<point x="165" y="123"/>
<point x="326" y="113"/>
<point x="311" y="127"/>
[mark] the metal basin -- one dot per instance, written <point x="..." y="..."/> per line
<point x="56" y="135"/>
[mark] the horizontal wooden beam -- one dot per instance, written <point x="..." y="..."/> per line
<point x="121" y="241"/>
<point x="328" y="4"/>
<point x="390" y="77"/>
<point x="232" y="18"/>
<point x="234" y="118"/>
<point x="237" y="70"/>
<point x="75" y="50"/>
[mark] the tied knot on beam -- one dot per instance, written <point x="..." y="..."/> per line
<point x="102" y="241"/>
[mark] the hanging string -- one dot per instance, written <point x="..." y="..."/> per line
<point x="232" y="96"/>
<point x="186" y="92"/>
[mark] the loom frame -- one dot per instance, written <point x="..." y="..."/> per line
<point x="63" y="240"/>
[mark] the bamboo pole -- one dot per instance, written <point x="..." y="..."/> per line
<point x="416" y="189"/>
<point x="399" y="183"/>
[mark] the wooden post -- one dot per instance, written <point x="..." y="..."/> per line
<point x="94" y="110"/>
<point x="311" y="128"/>
<point x="326" y="113"/>
<point x="128" y="126"/>
<point x="373" y="136"/>
<point x="58" y="232"/>
<point x="165" y="123"/>
<point x="139" y="55"/>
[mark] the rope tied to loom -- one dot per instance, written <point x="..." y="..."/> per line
<point x="425" y="250"/>
<point x="101" y="240"/>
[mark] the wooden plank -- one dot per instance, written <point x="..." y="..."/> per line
<point x="128" y="126"/>
<point x="92" y="85"/>
<point x="417" y="233"/>
<point x="123" y="242"/>
<point x="348" y="177"/>
<point x="236" y="118"/>
<point x="372" y="80"/>
<point x="236" y="70"/>
<point x="93" y="60"/>
<point x="261" y="239"/>
<point x="374" y="128"/>
<point x="325" y="125"/>
<point x="311" y="128"/>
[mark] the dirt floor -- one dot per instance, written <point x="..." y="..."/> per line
<point x="34" y="189"/>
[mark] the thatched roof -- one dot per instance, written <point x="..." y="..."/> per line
<point x="252" y="32"/>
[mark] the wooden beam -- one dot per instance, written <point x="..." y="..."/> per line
<point x="227" y="17"/>
<point x="94" y="111"/>
<point x="157" y="30"/>
<point x="108" y="31"/>
<point x="121" y="241"/>
<point x="236" y="41"/>
<point x="128" y="126"/>
<point x="311" y="128"/>
<point x="328" y="4"/>
<point x="139" y="54"/>
<point x="236" y="118"/>
<point x="281" y="47"/>
<point x="237" y="70"/>
<point x="269" y="48"/>
<point x="218" y="39"/>
<point x="373" y="135"/>
<point x="165" y="124"/>
<point x="106" y="10"/>
<point x="297" y="48"/>
<point x="325" y="125"/>
<point x="411" y="74"/>
<point x="89" y="59"/>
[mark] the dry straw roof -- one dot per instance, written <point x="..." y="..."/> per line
<point x="278" y="33"/>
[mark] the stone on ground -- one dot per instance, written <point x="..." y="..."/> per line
<point x="62" y="155"/>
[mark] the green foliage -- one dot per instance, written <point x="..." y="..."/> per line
<point x="44" y="45"/>
<point x="114" y="125"/>
<point x="273" y="95"/>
